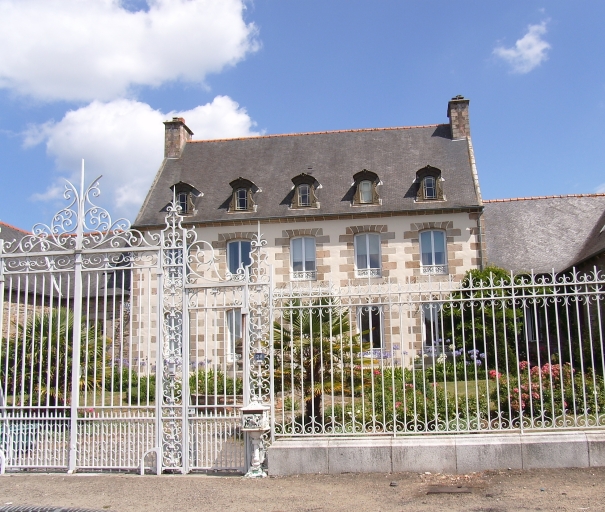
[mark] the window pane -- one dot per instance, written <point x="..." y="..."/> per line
<point x="429" y="187"/>
<point x="297" y="259"/>
<point x="374" y="243"/>
<point x="303" y="195"/>
<point x="439" y="243"/>
<point x="233" y="255"/>
<point x="309" y="253"/>
<point x="361" y="251"/>
<point x="245" y="253"/>
<point x="241" y="199"/>
<point x="182" y="202"/>
<point x="426" y="247"/>
<point x="365" y="195"/>
<point x="371" y="326"/>
<point x="234" y="328"/>
<point x="238" y="254"/>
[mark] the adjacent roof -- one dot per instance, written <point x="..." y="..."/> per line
<point x="9" y="233"/>
<point x="394" y="154"/>
<point x="544" y="233"/>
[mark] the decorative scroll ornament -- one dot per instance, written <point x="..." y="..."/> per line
<point x="81" y="225"/>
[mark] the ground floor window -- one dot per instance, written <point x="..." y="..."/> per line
<point x="370" y="325"/>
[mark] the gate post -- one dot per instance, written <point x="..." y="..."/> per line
<point x="77" y="330"/>
<point x="257" y="356"/>
<point x="173" y="415"/>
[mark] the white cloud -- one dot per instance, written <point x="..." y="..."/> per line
<point x="124" y="141"/>
<point x="601" y="188"/>
<point x="529" y="51"/>
<point x="82" y="50"/>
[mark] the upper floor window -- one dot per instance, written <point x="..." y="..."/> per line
<point x="433" y="254"/>
<point x="429" y="184"/>
<point x="302" y="252"/>
<point x="304" y="195"/>
<point x="184" y="197"/>
<point x="430" y="191"/>
<point x="365" y="191"/>
<point x="366" y="183"/>
<point x="242" y="197"/>
<point x="238" y="256"/>
<point x="367" y="255"/>
<point x="305" y="186"/>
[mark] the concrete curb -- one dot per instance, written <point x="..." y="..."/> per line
<point x="462" y="453"/>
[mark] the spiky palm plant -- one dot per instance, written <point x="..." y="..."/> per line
<point x="38" y="358"/>
<point x="315" y="351"/>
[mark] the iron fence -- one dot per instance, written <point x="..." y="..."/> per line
<point x="502" y="353"/>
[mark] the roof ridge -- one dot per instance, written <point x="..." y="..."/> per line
<point x="14" y="227"/>
<point x="530" y="198"/>
<point x="319" y="133"/>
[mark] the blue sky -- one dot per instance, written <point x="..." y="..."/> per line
<point x="94" y="79"/>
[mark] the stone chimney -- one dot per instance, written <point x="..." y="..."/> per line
<point x="457" y="111"/>
<point x="177" y="135"/>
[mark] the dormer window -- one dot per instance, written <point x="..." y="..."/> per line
<point x="304" y="196"/>
<point x="366" y="193"/>
<point x="185" y="197"/>
<point x="429" y="184"/>
<point x="182" y="201"/>
<point x="242" y="197"/>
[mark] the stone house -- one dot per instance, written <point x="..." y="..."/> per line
<point x="348" y="207"/>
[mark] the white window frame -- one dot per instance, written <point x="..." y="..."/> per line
<point x="368" y="309"/>
<point x="182" y="200"/>
<point x="241" y="194"/>
<point x="304" y="274"/>
<point x="426" y="188"/>
<point x="369" y="190"/>
<point x="231" y="244"/>
<point x="433" y="268"/>
<point x="301" y="187"/>
<point x="367" y="271"/>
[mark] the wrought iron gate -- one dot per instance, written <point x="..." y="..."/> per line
<point x="122" y="349"/>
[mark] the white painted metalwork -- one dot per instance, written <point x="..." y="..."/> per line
<point x="125" y="350"/>
<point x="113" y="351"/>
<point x="303" y="275"/>
<point x="507" y="353"/>
<point x="368" y="272"/>
<point x="433" y="269"/>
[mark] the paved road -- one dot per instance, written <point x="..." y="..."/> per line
<point x="569" y="489"/>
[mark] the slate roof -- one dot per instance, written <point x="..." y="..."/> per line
<point x="270" y="162"/>
<point x="544" y="233"/>
<point x="9" y="233"/>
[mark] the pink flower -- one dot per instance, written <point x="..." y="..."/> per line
<point x="397" y="404"/>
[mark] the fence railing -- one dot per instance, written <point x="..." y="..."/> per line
<point x="506" y="353"/>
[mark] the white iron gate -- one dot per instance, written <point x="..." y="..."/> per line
<point x="123" y="349"/>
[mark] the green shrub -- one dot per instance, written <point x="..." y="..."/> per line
<point x="211" y="382"/>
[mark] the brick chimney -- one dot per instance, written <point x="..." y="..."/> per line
<point x="457" y="111"/>
<point x="177" y="134"/>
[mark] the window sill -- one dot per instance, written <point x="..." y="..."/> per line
<point x="368" y="272"/>
<point x="433" y="269"/>
<point x="305" y="275"/>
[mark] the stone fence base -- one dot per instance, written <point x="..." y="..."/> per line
<point x="441" y="454"/>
